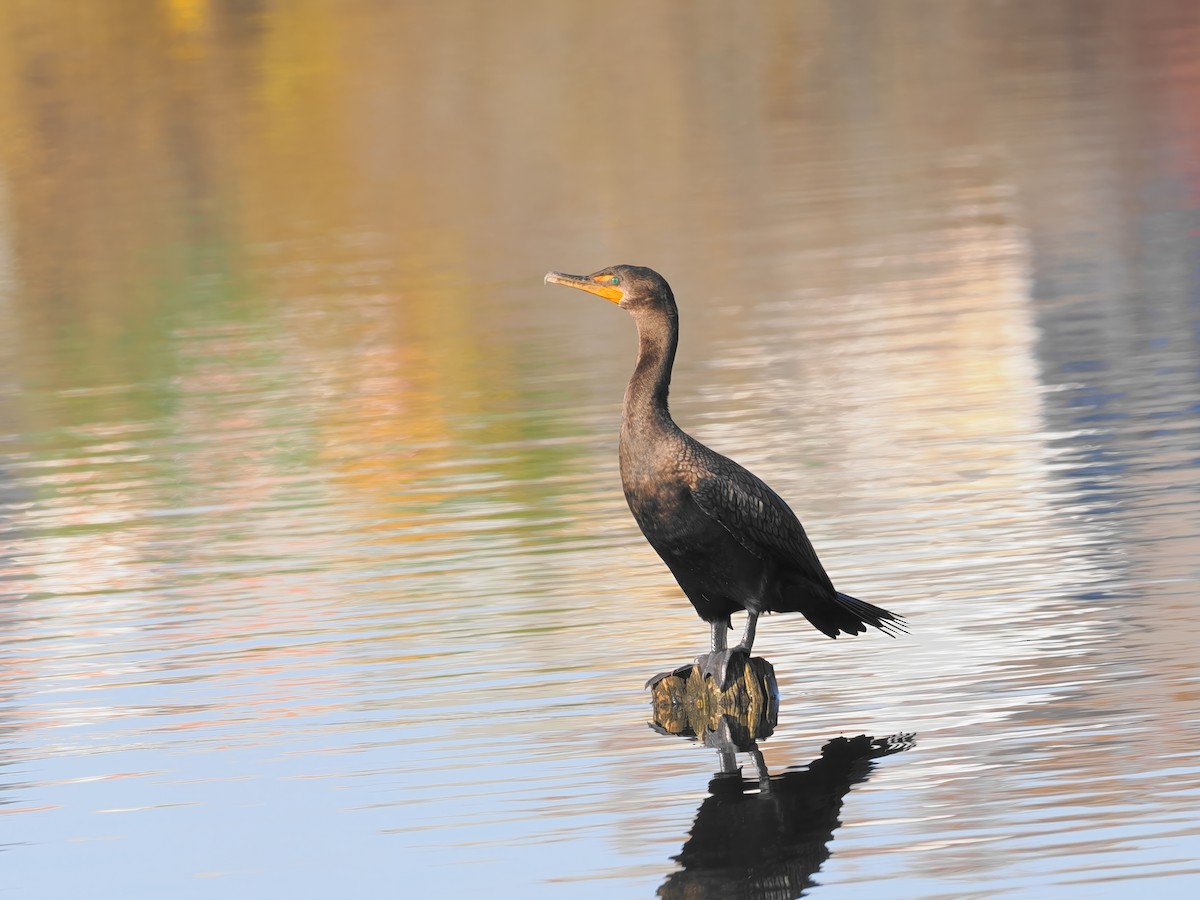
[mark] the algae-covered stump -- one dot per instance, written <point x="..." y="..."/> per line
<point x="687" y="703"/>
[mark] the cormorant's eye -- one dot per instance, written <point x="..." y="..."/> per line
<point x="614" y="280"/>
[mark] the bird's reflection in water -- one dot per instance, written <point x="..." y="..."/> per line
<point x="766" y="836"/>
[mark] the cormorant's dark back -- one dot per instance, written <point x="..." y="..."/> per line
<point x="728" y="539"/>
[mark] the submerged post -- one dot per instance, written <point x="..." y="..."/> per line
<point x="686" y="703"/>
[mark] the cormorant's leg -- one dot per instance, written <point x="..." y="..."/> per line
<point x="716" y="663"/>
<point x="748" y="635"/>
<point x="726" y="749"/>
<point x="764" y="777"/>
<point x="720" y="630"/>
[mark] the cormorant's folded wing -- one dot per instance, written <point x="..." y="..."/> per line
<point x="755" y="515"/>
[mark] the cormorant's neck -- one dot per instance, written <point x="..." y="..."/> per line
<point x="646" y="396"/>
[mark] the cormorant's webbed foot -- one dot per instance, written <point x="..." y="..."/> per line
<point x="715" y="665"/>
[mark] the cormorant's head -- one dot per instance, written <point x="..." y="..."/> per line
<point x="635" y="288"/>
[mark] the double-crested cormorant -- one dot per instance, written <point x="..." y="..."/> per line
<point x="728" y="539"/>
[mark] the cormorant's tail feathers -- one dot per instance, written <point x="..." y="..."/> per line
<point x="864" y="613"/>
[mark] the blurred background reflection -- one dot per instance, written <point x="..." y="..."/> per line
<point x="313" y="549"/>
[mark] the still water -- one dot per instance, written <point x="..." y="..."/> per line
<point x="317" y="576"/>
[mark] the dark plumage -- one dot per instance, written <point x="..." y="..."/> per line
<point x="728" y="539"/>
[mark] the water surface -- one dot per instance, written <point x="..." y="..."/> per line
<point x="317" y="573"/>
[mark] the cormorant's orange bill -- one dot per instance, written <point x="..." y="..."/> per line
<point x="603" y="287"/>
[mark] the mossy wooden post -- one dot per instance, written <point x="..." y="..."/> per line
<point x="687" y="703"/>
